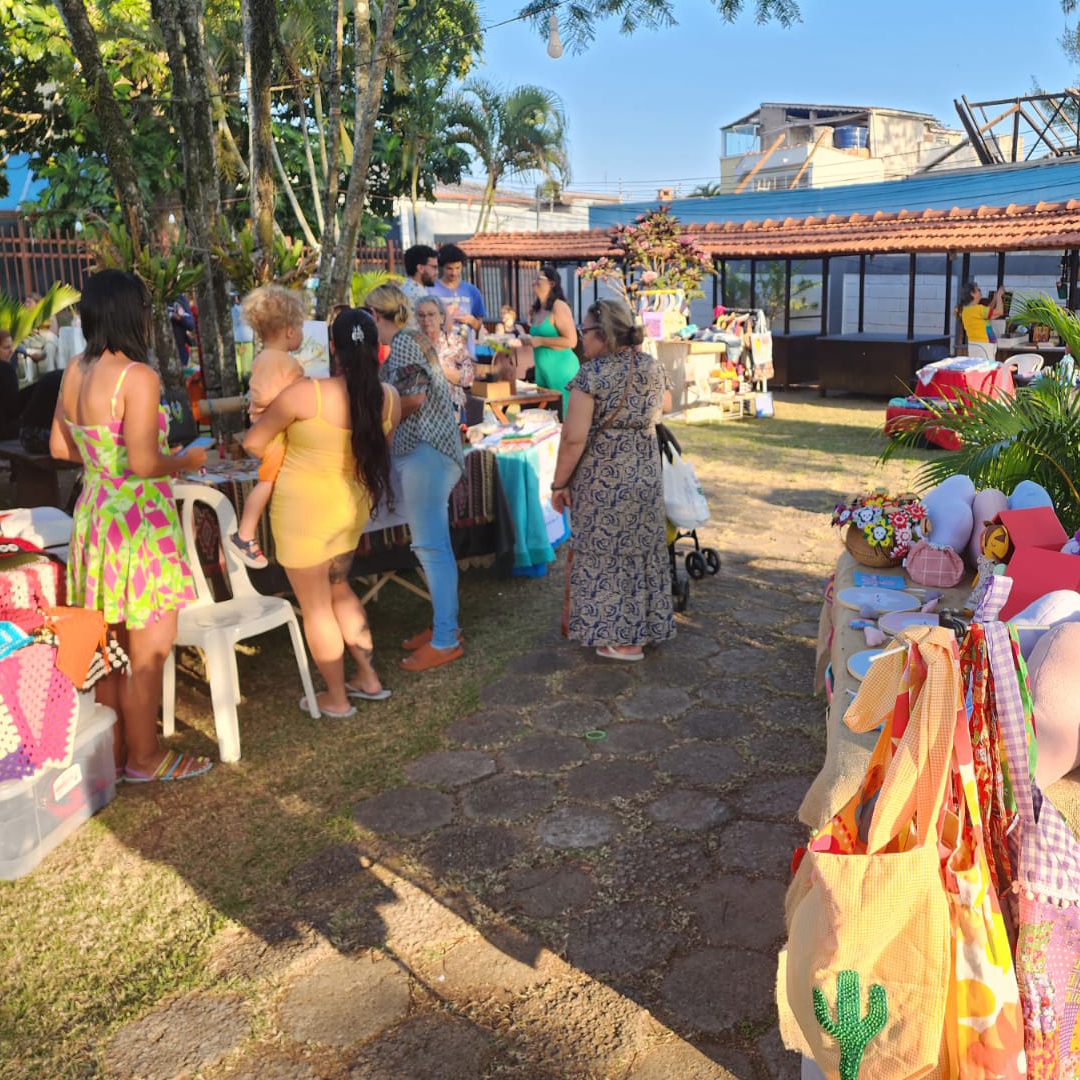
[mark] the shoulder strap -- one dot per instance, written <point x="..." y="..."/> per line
<point x="318" y="399"/>
<point x="622" y="400"/>
<point x="116" y="389"/>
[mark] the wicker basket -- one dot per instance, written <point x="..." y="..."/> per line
<point x="865" y="552"/>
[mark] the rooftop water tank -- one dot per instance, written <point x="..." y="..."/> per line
<point x="850" y="137"/>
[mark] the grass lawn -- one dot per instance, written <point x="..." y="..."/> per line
<point x="127" y="911"/>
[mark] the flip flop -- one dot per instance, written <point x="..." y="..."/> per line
<point x="323" y="711"/>
<point x="608" y="653"/>
<point x="355" y="692"/>
<point x="171" y="768"/>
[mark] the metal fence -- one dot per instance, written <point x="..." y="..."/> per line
<point x="30" y="264"/>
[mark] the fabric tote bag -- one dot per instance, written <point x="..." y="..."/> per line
<point x="1046" y="857"/>
<point x="867" y="973"/>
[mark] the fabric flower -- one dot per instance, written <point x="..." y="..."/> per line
<point x="879" y="534"/>
<point x="866" y="515"/>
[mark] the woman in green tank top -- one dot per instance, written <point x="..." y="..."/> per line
<point x="552" y="334"/>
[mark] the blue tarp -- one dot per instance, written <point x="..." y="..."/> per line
<point x="990" y="186"/>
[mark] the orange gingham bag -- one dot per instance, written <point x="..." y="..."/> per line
<point x="923" y="976"/>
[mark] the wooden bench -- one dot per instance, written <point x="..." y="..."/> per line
<point x="37" y="476"/>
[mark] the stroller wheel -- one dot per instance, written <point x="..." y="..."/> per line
<point x="712" y="560"/>
<point x="682" y="595"/>
<point x="695" y="565"/>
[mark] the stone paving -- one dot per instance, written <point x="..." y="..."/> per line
<point x="586" y="881"/>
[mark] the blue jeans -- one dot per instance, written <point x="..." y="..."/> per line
<point x="424" y="479"/>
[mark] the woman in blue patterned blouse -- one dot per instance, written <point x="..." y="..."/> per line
<point x="427" y="462"/>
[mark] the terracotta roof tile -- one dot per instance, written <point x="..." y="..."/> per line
<point x="1016" y="227"/>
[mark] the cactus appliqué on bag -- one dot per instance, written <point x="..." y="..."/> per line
<point x="852" y="1031"/>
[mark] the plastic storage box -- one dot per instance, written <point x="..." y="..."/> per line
<point x="38" y="814"/>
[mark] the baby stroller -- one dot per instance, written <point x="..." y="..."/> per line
<point x="700" y="560"/>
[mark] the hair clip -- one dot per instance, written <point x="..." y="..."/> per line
<point x="358" y="333"/>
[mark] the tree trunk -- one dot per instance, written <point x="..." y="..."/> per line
<point x="333" y="154"/>
<point x="297" y="209"/>
<point x="259" y="18"/>
<point x="181" y="23"/>
<point x="115" y="132"/>
<point x="370" y="71"/>
<point x="296" y="76"/>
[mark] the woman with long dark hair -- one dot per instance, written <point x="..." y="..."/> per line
<point x="127" y="557"/>
<point x="336" y="473"/>
<point x="552" y="334"/>
<point x="428" y="462"/>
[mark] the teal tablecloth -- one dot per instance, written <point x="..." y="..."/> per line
<point x="520" y="476"/>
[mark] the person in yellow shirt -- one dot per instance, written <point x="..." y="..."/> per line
<point x="975" y="314"/>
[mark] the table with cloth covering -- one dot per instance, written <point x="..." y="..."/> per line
<point x="496" y="499"/>
<point x="846" y="753"/>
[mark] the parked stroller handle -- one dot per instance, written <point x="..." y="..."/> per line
<point x="667" y="442"/>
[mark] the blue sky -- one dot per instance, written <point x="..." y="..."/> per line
<point x="647" y="109"/>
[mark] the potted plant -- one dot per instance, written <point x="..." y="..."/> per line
<point x="656" y="256"/>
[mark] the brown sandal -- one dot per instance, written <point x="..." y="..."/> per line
<point x="427" y="656"/>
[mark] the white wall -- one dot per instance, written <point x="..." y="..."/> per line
<point x="885" y="301"/>
<point x="458" y="218"/>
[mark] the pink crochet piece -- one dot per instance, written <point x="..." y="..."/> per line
<point x="40" y="704"/>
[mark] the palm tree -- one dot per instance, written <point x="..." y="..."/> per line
<point x="706" y="191"/>
<point x="521" y="131"/>
<point x="1034" y="435"/>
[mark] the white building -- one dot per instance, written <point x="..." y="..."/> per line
<point x="454" y="214"/>
<point x="780" y="146"/>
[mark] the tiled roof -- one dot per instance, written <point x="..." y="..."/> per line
<point x="1028" y="227"/>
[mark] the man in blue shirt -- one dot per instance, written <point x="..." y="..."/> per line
<point x="462" y="300"/>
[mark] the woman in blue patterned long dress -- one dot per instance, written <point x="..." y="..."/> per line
<point x="608" y="472"/>
<point x="127" y="556"/>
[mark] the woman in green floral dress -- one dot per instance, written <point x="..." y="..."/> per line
<point x="127" y="556"/>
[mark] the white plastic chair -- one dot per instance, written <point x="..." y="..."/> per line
<point x="985" y="350"/>
<point x="216" y="626"/>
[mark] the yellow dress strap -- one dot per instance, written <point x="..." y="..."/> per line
<point x="116" y="389"/>
<point x="318" y="399"/>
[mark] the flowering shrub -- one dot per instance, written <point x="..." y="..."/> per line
<point x="657" y="256"/>
<point x="891" y="523"/>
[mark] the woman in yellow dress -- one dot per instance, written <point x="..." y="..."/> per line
<point x="336" y="471"/>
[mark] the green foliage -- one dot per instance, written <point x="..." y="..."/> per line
<point x="76" y="186"/>
<point x="1034" y="435"/>
<point x="851" y="1030"/>
<point x="656" y="256"/>
<point x="291" y="264"/>
<point x="578" y="20"/>
<point x="521" y="131"/>
<point x="22" y="321"/>
<point x="166" y="274"/>
<point x="366" y="281"/>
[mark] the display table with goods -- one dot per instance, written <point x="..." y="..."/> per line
<point x="951" y="709"/>
<point x="500" y="493"/>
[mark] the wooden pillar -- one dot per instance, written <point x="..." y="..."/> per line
<point x="753" y="282"/>
<point x="580" y="313"/>
<point x="1001" y="269"/>
<point x="825" y="295"/>
<point x="723" y="282"/>
<point x="911" y="296"/>
<point x="1074" y="287"/>
<point x="787" y="296"/>
<point x="862" y="290"/>
<point x="715" y="284"/>
<point x="948" y="293"/>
